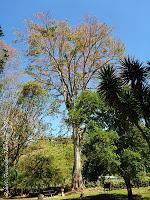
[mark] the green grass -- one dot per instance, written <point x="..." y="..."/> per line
<point x="142" y="193"/>
<point x="99" y="194"/>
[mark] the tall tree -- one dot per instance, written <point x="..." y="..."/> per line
<point x="120" y="98"/>
<point x="121" y="151"/>
<point x="4" y="55"/>
<point x="67" y="60"/>
<point x="22" y="119"/>
<point x="28" y="117"/>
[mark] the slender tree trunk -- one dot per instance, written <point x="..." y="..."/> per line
<point x="77" y="182"/>
<point x="6" y="164"/>
<point x="129" y="188"/>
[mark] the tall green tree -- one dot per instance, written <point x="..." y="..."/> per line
<point x="122" y="151"/>
<point x="67" y="60"/>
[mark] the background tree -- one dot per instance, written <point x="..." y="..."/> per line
<point x="67" y="60"/>
<point x="3" y="53"/>
<point x="132" y="149"/>
<point x="22" y="121"/>
<point x="106" y="151"/>
<point x="49" y="164"/>
<point x="98" y="145"/>
<point x="100" y="151"/>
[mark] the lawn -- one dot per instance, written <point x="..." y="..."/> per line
<point x="99" y="194"/>
<point x="142" y="193"/>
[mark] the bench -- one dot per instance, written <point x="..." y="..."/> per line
<point x="49" y="193"/>
<point x="107" y="186"/>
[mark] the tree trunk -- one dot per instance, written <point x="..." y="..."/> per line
<point x="77" y="182"/>
<point x="129" y="188"/>
<point x="6" y="189"/>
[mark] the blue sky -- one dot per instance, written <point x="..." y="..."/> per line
<point x="130" y="19"/>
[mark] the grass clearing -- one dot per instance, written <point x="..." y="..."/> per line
<point x="99" y="194"/>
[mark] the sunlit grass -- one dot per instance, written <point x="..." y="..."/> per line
<point x="99" y="194"/>
<point x="143" y="193"/>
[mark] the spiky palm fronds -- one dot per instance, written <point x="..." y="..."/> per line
<point x="110" y="85"/>
<point x="126" y="106"/>
<point x="136" y="75"/>
<point x="133" y="71"/>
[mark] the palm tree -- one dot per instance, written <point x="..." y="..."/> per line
<point x="123" y="102"/>
<point x="126" y="108"/>
<point x="110" y="85"/>
<point x="111" y="88"/>
<point x="136" y="75"/>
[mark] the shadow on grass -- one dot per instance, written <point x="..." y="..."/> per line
<point x="109" y="197"/>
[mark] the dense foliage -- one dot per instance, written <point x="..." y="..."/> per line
<point x="45" y="163"/>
